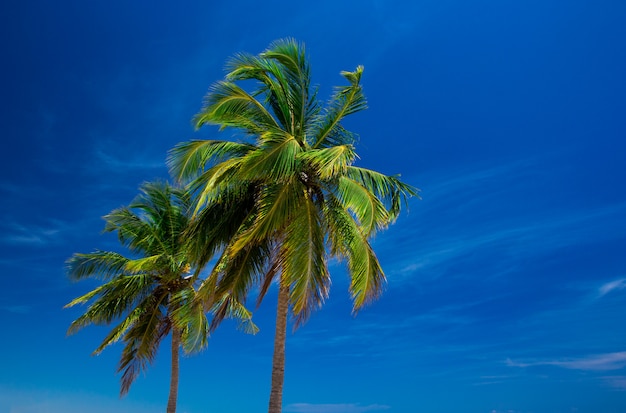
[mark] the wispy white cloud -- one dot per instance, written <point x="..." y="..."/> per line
<point x="334" y="408"/>
<point x="450" y="194"/>
<point x="32" y="235"/>
<point x="10" y="188"/>
<point x="617" y="382"/>
<point x="115" y="163"/>
<point x="521" y="238"/>
<point x="612" y="286"/>
<point x="33" y="401"/>
<point x="16" y="309"/>
<point x="596" y="362"/>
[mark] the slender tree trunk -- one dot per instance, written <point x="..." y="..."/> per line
<point x="278" y="362"/>
<point x="171" y="402"/>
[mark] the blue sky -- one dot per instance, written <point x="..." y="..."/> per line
<point x="507" y="280"/>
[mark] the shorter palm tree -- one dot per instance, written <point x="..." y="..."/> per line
<point x="154" y="293"/>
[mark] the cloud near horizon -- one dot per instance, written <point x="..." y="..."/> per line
<point x="15" y="400"/>
<point x="334" y="408"/>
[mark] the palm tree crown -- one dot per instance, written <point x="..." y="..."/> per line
<point x="289" y="183"/>
<point x="294" y="171"/>
<point x="153" y="293"/>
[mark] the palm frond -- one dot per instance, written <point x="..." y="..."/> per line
<point x="346" y="239"/>
<point x="188" y="159"/>
<point x="369" y="210"/>
<point x="229" y="307"/>
<point x="292" y="57"/>
<point x="294" y="75"/>
<point x="103" y="265"/>
<point x="228" y="105"/>
<point x="275" y="208"/>
<point x="189" y="316"/>
<point x="389" y="189"/>
<point x="367" y="276"/>
<point x="303" y="260"/>
<point x="217" y="222"/>
<point x="276" y="159"/>
<point x="273" y="269"/>
<point x="142" y="265"/>
<point x="328" y="163"/>
<point x="132" y="231"/>
<point x="210" y="184"/>
<point x="118" y="331"/>
<point x="237" y="271"/>
<point x="114" y="299"/>
<point x="327" y="130"/>
<point x="142" y="340"/>
<point x="275" y="89"/>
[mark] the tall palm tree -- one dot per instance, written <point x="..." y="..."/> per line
<point x="290" y="183"/>
<point x="154" y="293"/>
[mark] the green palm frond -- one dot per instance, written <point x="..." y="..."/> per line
<point x="227" y="104"/>
<point x="87" y="297"/>
<point x="237" y="271"/>
<point x="245" y="66"/>
<point x="347" y="239"/>
<point x="367" y="277"/>
<point x="271" y="274"/>
<point x="120" y="330"/>
<point x="228" y="307"/>
<point x="270" y="74"/>
<point x="340" y="227"/>
<point x="187" y="159"/>
<point x="345" y="101"/>
<point x="132" y="231"/>
<point x="102" y="265"/>
<point x="390" y="189"/>
<point x="303" y="260"/>
<point x="113" y="300"/>
<point x="217" y="223"/>
<point x="140" y="265"/>
<point x="329" y="163"/>
<point x="368" y="208"/>
<point x="276" y="159"/>
<point x="210" y="184"/>
<point x="276" y="206"/>
<point x="291" y="57"/>
<point x="142" y="339"/>
<point x="190" y="318"/>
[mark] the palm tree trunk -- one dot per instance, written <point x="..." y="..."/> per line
<point x="278" y="362"/>
<point x="171" y="402"/>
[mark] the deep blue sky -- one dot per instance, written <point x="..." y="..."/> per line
<point x="507" y="281"/>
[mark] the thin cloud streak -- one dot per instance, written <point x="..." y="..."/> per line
<point x="120" y="165"/>
<point x="33" y="235"/>
<point x="16" y="309"/>
<point x="596" y="362"/>
<point x="617" y="382"/>
<point x="522" y="234"/>
<point x="535" y="237"/>
<point x="612" y="286"/>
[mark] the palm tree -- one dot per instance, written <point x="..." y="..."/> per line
<point x="154" y="293"/>
<point x="290" y="183"/>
